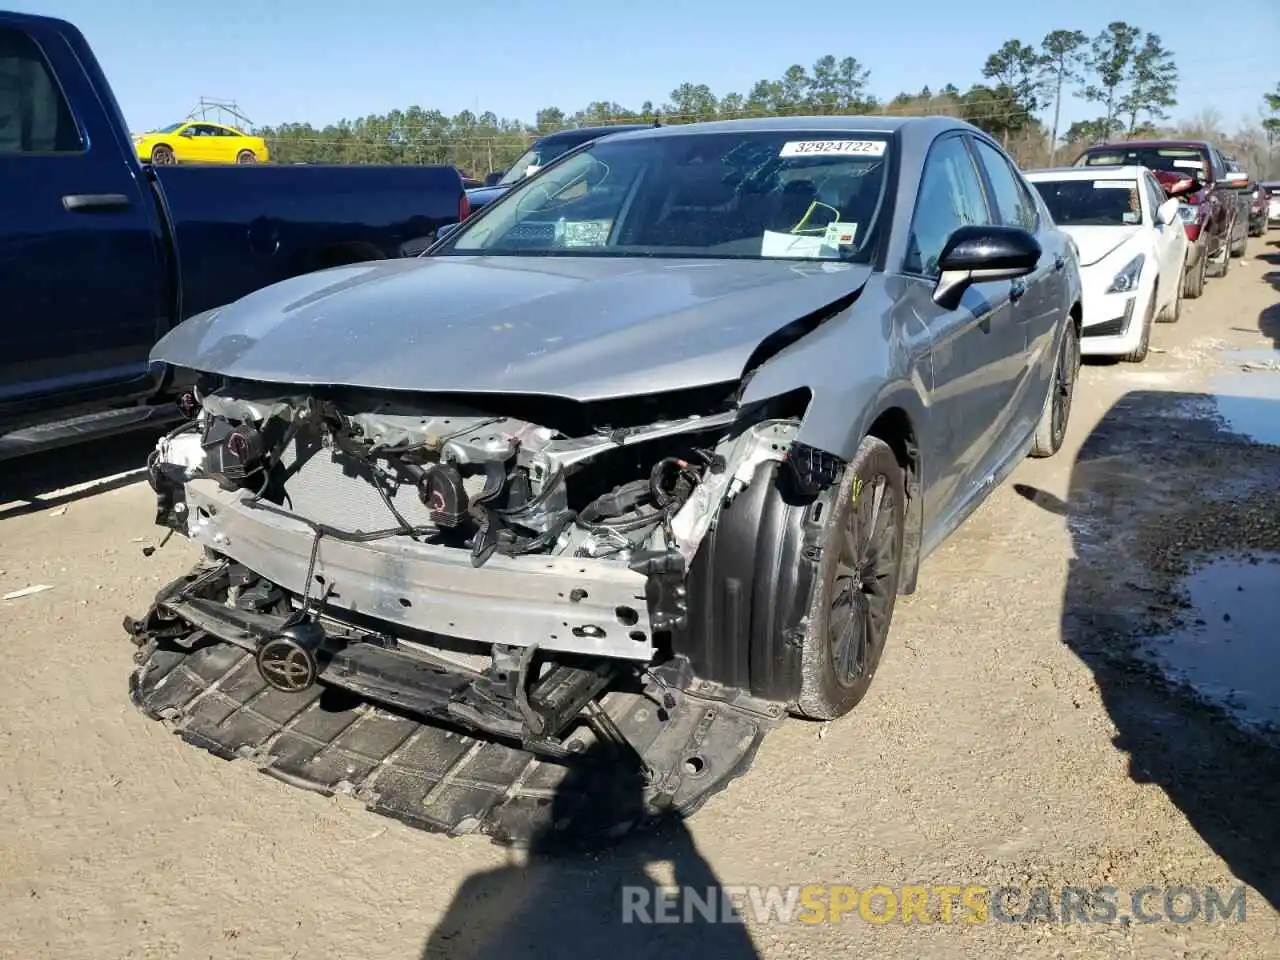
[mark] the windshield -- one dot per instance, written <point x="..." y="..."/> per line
<point x="539" y="155"/>
<point x="1184" y="160"/>
<point x="172" y="127"/>
<point x="746" y="195"/>
<point x="1091" y="203"/>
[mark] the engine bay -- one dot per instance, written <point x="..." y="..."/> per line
<point x="583" y="535"/>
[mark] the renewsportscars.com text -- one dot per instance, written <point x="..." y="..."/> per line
<point x="973" y="903"/>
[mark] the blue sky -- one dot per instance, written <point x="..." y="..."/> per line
<point x="322" y="60"/>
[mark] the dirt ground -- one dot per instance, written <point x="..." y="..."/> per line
<point x="1019" y="732"/>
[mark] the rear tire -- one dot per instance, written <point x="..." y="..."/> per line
<point x="1139" y="353"/>
<point x="246" y="156"/>
<point x="856" y="584"/>
<point x="1056" y="414"/>
<point x="1174" y="313"/>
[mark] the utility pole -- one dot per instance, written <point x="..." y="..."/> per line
<point x="219" y="107"/>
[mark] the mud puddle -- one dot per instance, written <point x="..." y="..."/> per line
<point x="1229" y="649"/>
<point x="1249" y="403"/>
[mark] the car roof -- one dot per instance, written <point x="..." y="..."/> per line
<point x="1140" y="144"/>
<point x="591" y="133"/>
<point x="1130" y="171"/>
<point x="915" y="133"/>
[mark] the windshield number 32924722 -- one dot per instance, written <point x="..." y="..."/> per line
<point x="803" y="148"/>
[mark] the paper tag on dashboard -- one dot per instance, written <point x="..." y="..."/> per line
<point x="840" y="234"/>
<point x="832" y="148"/>
<point x="1189" y="164"/>
<point x="1114" y="185"/>
<point x="776" y="244"/>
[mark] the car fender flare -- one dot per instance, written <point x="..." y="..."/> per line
<point x="893" y="410"/>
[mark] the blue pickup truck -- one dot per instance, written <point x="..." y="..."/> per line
<point x="101" y="254"/>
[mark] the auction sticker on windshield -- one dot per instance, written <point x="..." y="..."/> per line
<point x="839" y="148"/>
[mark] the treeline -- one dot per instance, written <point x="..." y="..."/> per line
<point x="1126" y="73"/>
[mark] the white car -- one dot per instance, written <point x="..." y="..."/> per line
<point x="1273" y="202"/>
<point x="1132" y="247"/>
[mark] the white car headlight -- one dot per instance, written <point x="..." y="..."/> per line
<point x="1126" y="281"/>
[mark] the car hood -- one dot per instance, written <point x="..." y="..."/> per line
<point x="1097" y="243"/>
<point x="586" y="328"/>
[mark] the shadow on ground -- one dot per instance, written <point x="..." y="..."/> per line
<point x="26" y="482"/>
<point x="1269" y="319"/>
<point x="563" y="901"/>
<point x="1157" y="493"/>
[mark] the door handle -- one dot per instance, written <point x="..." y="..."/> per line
<point x="77" y="202"/>
<point x="1059" y="262"/>
<point x="1016" y="289"/>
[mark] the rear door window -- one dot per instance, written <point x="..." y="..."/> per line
<point x="1014" y="203"/>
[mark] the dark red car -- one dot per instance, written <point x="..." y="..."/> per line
<point x="1196" y="173"/>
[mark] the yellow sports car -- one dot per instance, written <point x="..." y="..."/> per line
<point x="198" y="141"/>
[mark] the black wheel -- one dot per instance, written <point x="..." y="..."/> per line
<point x="1139" y="353"/>
<point x="246" y="156"/>
<point x="856" y="586"/>
<point x="162" y="155"/>
<point x="1195" y="277"/>
<point x="1056" y="414"/>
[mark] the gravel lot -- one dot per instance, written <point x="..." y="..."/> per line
<point x="1022" y="730"/>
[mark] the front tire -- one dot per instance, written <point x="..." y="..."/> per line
<point x="1139" y="353"/>
<point x="856" y="584"/>
<point x="1056" y="414"/>
<point x="162" y="155"/>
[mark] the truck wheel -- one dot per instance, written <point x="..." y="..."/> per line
<point x="1222" y="263"/>
<point x="1139" y="353"/>
<point x="855" y="586"/>
<point x="246" y="156"/>
<point x="1195" y="278"/>
<point x="1057" y="405"/>
<point x="1238" y="249"/>
<point x="162" y="155"/>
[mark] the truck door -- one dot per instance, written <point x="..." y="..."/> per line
<point x="82" y="272"/>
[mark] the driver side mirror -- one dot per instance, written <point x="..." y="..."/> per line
<point x="980" y="254"/>
<point x="188" y="132"/>
<point x="1167" y="212"/>
<point x="492" y="179"/>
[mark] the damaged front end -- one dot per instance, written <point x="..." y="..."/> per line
<point x="471" y="613"/>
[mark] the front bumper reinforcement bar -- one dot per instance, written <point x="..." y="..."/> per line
<point x="381" y="723"/>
